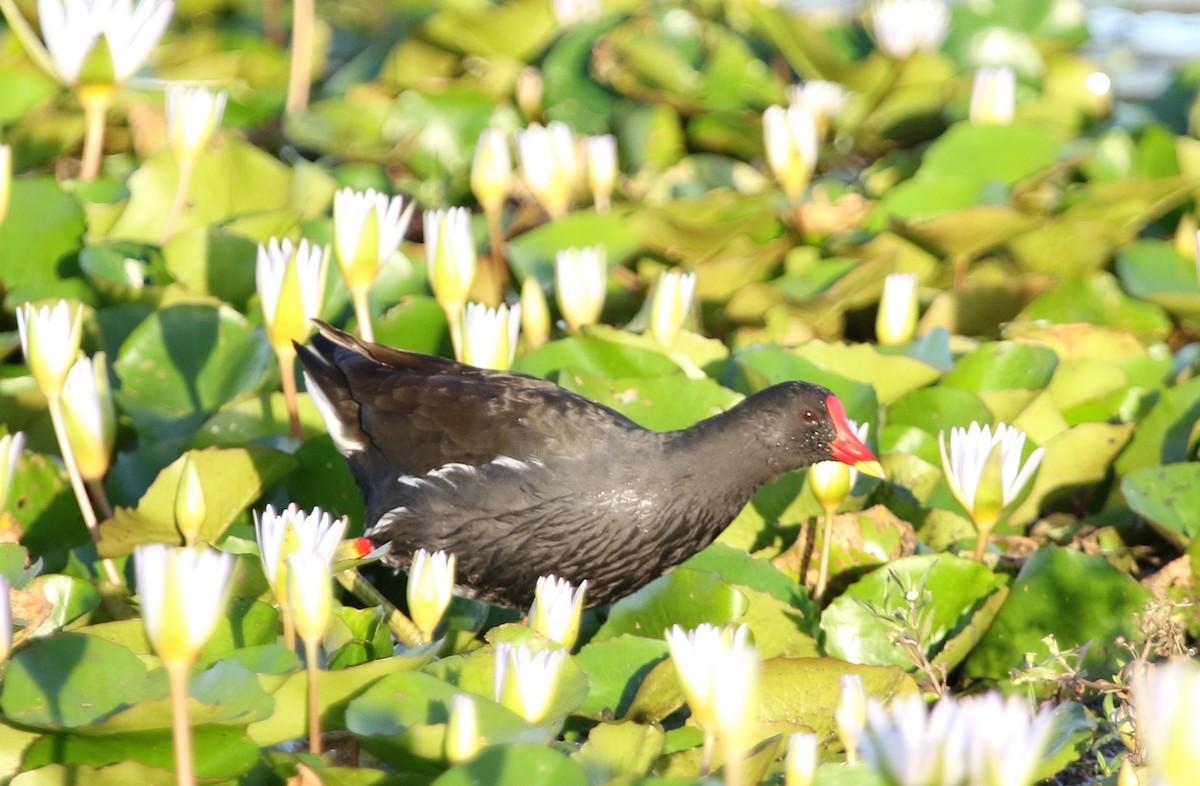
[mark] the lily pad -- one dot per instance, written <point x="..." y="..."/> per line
<point x="1167" y="497"/>
<point x="516" y="765"/>
<point x="615" y="668"/>
<point x="683" y="597"/>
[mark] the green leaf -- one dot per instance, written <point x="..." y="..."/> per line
<point x="533" y="253"/>
<point x="231" y="479"/>
<point x="1168" y="498"/>
<point x="515" y="765"/>
<point x="593" y="355"/>
<point x="70" y="599"/>
<point x="44" y="225"/>
<point x="1164" y="435"/>
<point x="1076" y="458"/>
<point x="210" y="260"/>
<point x="183" y="363"/>
<point x="220" y="752"/>
<point x="663" y="403"/>
<point x="1001" y="366"/>
<point x="682" y="597"/>
<point x="1013" y="152"/>
<point x="954" y="589"/>
<point x="934" y="410"/>
<point x="615" y="669"/>
<point x="1097" y="299"/>
<point x="892" y="376"/>
<point x="614" y="749"/>
<point x="1077" y="597"/>
<point x="1154" y="270"/>
<point x="70" y="681"/>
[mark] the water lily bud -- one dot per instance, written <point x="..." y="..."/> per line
<point x="529" y="92"/>
<point x="825" y="100"/>
<point x="831" y="481"/>
<point x="450" y="250"/>
<point x="535" y="313"/>
<point x="672" y="302"/>
<point x="800" y="765"/>
<point x="994" y="95"/>
<point x="1167" y="701"/>
<point x="580" y="278"/>
<point x="6" y="631"/>
<point x="101" y="43"/>
<point x="182" y="593"/>
<point x="556" y="610"/>
<point x="527" y="681"/>
<point x="903" y="27"/>
<point x="50" y="339"/>
<point x="193" y="116"/>
<point x="430" y="588"/>
<point x="463" y="740"/>
<point x="5" y="180"/>
<point x="291" y="285"/>
<point x="11" y="446"/>
<point x="491" y="170"/>
<point x="290" y="532"/>
<point x="549" y="165"/>
<point x="190" y="508"/>
<point x="368" y="228"/>
<point x="851" y="714"/>
<point x="310" y="594"/>
<point x="489" y="338"/>
<point x="572" y="12"/>
<point x="1127" y="775"/>
<point x="601" y="155"/>
<point x="791" y="140"/>
<point x="896" y="321"/>
<point x="89" y="416"/>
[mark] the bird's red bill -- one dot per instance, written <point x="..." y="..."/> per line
<point x="847" y="447"/>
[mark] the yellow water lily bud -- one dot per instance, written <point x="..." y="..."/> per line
<point x="672" y="302"/>
<point x="489" y="336"/>
<point x="491" y="170"/>
<point x="800" y="764"/>
<point x="463" y="740"/>
<point x="791" y="140"/>
<point x="580" y="280"/>
<point x="450" y="251"/>
<point x="11" y="446"/>
<point x="310" y="594"/>
<point x="527" y="681"/>
<point x="557" y="608"/>
<point x="291" y="285"/>
<point x="193" y="115"/>
<point x="993" y="95"/>
<point x="5" y="180"/>
<point x="896" y="320"/>
<point x="89" y="416"/>
<point x="535" y="313"/>
<point x="601" y="155"/>
<point x="430" y="589"/>
<point x="190" y="508"/>
<point x="549" y="165"/>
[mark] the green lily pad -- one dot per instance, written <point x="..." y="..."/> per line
<point x="1003" y="366"/>
<point x="1075" y="459"/>
<point x="662" y="403"/>
<point x="956" y="588"/>
<point x="764" y="366"/>
<point x="1077" y="597"/>
<point x="70" y="599"/>
<point x="597" y="356"/>
<point x="533" y="253"/>
<point x="683" y="597"/>
<point x="892" y="376"/>
<point x="614" y="749"/>
<point x="43" y="226"/>
<point x="221" y="753"/>
<point x="1153" y="270"/>
<point x="938" y="409"/>
<point x="515" y="765"/>
<point x="213" y="261"/>
<point x="1097" y="299"/>
<point x="231" y="479"/>
<point x="1164" y="435"/>
<point x="183" y="363"/>
<point x="615" y="669"/>
<point x="1168" y="498"/>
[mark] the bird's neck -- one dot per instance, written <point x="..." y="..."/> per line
<point x="728" y="451"/>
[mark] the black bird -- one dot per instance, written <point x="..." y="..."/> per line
<point x="519" y="478"/>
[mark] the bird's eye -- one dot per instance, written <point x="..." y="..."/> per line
<point x="809" y="416"/>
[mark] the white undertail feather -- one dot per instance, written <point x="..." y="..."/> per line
<point x="345" y="441"/>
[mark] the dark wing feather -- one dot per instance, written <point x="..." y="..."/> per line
<point x="418" y="413"/>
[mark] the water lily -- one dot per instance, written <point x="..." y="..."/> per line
<point x="527" y="680"/>
<point x="6" y="173"/>
<point x="569" y="13"/>
<point x="190" y="507"/>
<point x="557" y="608"/>
<point x="896" y="320"/>
<point x="800" y="763"/>
<point x="194" y="114"/>
<point x="831" y="482"/>
<point x="549" y="165"/>
<point x="601" y="155"/>
<point x="791" y="139"/>
<point x="293" y="531"/>
<point x="310" y="599"/>
<point x="825" y="100"/>
<point x="89" y="416"/>
<point x="450" y="251"/>
<point x="736" y="701"/>
<point x="491" y="170"/>
<point x="367" y="229"/>
<point x="1005" y="744"/>
<point x="851" y="714"/>
<point x="535" y="313"/>
<point x="985" y="471"/>
<point x="672" y="301"/>
<point x="1167" y="701"/>
<point x="908" y="745"/>
<point x="11" y="447"/>
<point x="430" y="589"/>
<point x="903" y="27"/>
<point x="463" y="740"/>
<point x="489" y="336"/>
<point x="50" y="339"/>
<point x="993" y="95"/>
<point x="6" y="631"/>
<point x="580" y="278"/>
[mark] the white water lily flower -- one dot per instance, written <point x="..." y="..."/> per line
<point x="368" y="228"/>
<point x="73" y="29"/>
<point x="601" y="155"/>
<point x="462" y="729"/>
<point x="50" y="339"/>
<point x="89" y="416"/>
<point x="994" y="95"/>
<point x="792" y="140"/>
<point x="800" y="764"/>
<point x="489" y="338"/>
<point x="909" y="745"/>
<point x="896" y="321"/>
<point x="430" y="589"/>
<point x="580" y="279"/>
<point x="549" y="165"/>
<point x="851" y="713"/>
<point x="291" y="286"/>
<point x="557" y="608"/>
<point x="5" y="180"/>
<point x="966" y="460"/>
<point x="526" y="680"/>
<point x="672" y="301"/>
<point x="903" y="27"/>
<point x="826" y="100"/>
<point x="310" y="593"/>
<point x="450" y="251"/>
<point x="11" y="446"/>
<point x="491" y="169"/>
<point x="1167" y="701"/>
<point x="1005" y="743"/>
<point x="293" y="531"/>
<point x="183" y="593"/>
<point x="193" y="115"/>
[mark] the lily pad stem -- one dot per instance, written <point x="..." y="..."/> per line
<point x="177" y="678"/>
<point x="287" y="373"/>
<point x="311" y="647"/>
<point x="186" y="168"/>
<point x="300" y="78"/>
<point x="362" y="312"/>
<point x="826" y="544"/>
<point x="96" y="100"/>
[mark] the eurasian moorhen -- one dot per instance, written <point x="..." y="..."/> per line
<point x="520" y="478"/>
